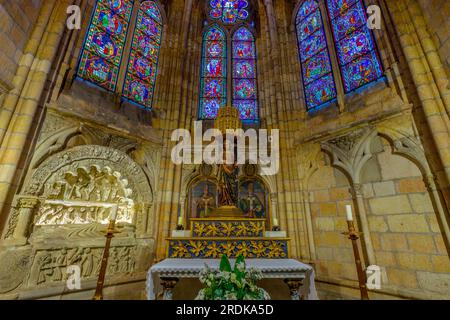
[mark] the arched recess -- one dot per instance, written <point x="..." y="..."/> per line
<point x="88" y="176"/>
<point x="352" y="151"/>
<point x="327" y="194"/>
<point x="403" y="214"/>
<point x="402" y="144"/>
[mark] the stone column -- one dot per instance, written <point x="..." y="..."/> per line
<point x="443" y="216"/>
<point x="424" y="66"/>
<point x="309" y="228"/>
<point x="361" y="209"/>
<point x="26" y="208"/>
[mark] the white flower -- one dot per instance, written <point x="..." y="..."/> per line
<point x="240" y="266"/>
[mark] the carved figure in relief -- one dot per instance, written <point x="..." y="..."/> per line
<point x="46" y="270"/>
<point x="60" y="265"/>
<point x="87" y="263"/>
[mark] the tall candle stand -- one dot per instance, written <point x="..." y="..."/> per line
<point x="104" y="263"/>
<point x="353" y="235"/>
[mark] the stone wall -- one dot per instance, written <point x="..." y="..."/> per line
<point x="436" y="13"/>
<point x="404" y="228"/>
<point x="17" y="20"/>
<point x="330" y="158"/>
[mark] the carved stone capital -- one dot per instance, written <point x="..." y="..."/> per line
<point x="27" y="203"/>
<point x="273" y="198"/>
<point x="357" y="190"/>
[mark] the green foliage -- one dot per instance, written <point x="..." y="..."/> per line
<point x="229" y="283"/>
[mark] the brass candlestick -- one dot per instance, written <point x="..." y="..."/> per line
<point x="104" y="264"/>
<point x="354" y="236"/>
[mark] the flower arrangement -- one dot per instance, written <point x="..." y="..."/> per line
<point x="228" y="283"/>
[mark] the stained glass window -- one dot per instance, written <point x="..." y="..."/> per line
<point x="105" y="41"/>
<point x="228" y="11"/>
<point x="355" y="46"/>
<point x="244" y="74"/>
<point x="318" y="80"/>
<point x="213" y="82"/>
<point x="142" y="66"/>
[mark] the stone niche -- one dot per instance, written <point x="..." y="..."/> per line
<point x="59" y="220"/>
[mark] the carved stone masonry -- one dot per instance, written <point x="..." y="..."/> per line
<point x="50" y="266"/>
<point x="26" y="208"/>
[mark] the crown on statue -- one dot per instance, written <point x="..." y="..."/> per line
<point x="227" y="118"/>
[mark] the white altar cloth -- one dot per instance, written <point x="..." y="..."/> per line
<point x="270" y="268"/>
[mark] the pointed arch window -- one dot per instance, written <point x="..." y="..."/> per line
<point x="213" y="85"/>
<point x="105" y="42"/>
<point x="353" y="43"/>
<point x="355" y="46"/>
<point x="228" y="67"/>
<point x="104" y="49"/>
<point x="140" y="80"/>
<point x="318" y="80"/>
<point x="244" y="74"/>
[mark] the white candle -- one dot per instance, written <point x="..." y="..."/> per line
<point x="349" y="212"/>
<point x="275" y="222"/>
<point x="114" y="212"/>
<point x="180" y="221"/>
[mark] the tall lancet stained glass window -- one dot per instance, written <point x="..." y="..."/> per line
<point x="244" y="74"/>
<point x="318" y="81"/>
<point x="142" y="66"/>
<point x="105" y="41"/>
<point x="213" y="84"/>
<point x="355" y="46"/>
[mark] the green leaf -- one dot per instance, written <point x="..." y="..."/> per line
<point x="225" y="264"/>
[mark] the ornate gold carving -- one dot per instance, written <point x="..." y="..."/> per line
<point x="216" y="247"/>
<point x="227" y="118"/>
<point x="228" y="228"/>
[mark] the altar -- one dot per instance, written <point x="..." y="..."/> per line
<point x="299" y="277"/>
<point x="227" y="213"/>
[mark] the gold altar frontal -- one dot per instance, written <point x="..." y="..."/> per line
<point x="214" y="237"/>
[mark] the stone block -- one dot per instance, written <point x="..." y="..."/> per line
<point x="328" y="209"/>
<point x="413" y="185"/>
<point x="377" y="224"/>
<point x="321" y="196"/>
<point x="401" y="277"/>
<point x="441" y="263"/>
<point x="408" y="223"/>
<point x="340" y="194"/>
<point x="390" y="205"/>
<point x="325" y="253"/>
<point x="415" y="261"/>
<point x="385" y="259"/>
<point x="385" y="188"/>
<point x="329" y="239"/>
<point x="421" y="203"/>
<point x="368" y="190"/>
<point x="393" y="242"/>
<point x="325" y="224"/>
<point x="436" y="282"/>
<point x="421" y="243"/>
